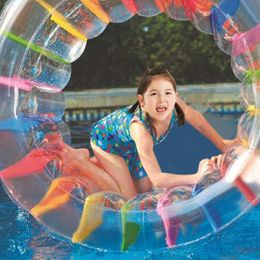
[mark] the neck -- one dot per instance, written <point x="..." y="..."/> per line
<point x="162" y="126"/>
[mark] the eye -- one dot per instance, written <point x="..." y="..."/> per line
<point x="168" y="93"/>
<point x="153" y="94"/>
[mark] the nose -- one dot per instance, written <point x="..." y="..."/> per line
<point x="161" y="98"/>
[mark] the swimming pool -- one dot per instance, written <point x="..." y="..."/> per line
<point x="22" y="237"/>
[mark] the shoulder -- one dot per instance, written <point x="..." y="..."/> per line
<point x="139" y="133"/>
<point x="120" y="115"/>
<point x="182" y="104"/>
<point x="143" y="139"/>
<point x="187" y="110"/>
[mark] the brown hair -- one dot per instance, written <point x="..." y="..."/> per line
<point x="145" y="81"/>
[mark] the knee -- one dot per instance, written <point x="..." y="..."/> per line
<point x="83" y="153"/>
<point x="95" y="161"/>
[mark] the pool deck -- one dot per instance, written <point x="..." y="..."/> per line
<point x="221" y="98"/>
<point x="193" y="94"/>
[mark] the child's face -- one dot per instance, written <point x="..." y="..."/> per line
<point x="159" y="99"/>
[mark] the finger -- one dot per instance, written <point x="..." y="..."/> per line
<point x="220" y="160"/>
<point x="213" y="159"/>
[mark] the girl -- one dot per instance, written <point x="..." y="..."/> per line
<point x="123" y="141"/>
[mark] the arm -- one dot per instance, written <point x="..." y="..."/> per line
<point x="144" y="144"/>
<point x="199" y="122"/>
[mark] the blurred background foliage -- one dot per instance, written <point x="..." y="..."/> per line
<point x="2" y="2"/>
<point x="122" y="52"/>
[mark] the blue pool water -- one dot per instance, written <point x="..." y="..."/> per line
<point x="21" y="237"/>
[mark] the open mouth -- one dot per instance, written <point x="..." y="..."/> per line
<point x="161" y="109"/>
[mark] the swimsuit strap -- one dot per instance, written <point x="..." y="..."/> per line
<point x="139" y="115"/>
<point x="162" y="137"/>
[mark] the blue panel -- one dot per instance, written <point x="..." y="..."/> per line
<point x="219" y="15"/>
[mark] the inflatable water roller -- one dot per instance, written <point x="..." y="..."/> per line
<point x="39" y="39"/>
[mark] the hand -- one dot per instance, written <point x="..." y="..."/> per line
<point x="206" y="166"/>
<point x="217" y="161"/>
<point x="229" y="143"/>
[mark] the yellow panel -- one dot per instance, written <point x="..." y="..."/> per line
<point x="96" y="9"/>
<point x="61" y="20"/>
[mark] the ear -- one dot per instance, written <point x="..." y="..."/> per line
<point x="140" y="99"/>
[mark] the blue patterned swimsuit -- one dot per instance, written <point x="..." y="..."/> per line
<point x="112" y="134"/>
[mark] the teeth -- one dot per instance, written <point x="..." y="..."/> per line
<point x="161" y="109"/>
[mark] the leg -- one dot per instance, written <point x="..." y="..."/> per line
<point x="76" y="162"/>
<point x="95" y="161"/>
<point x="143" y="185"/>
<point x="116" y="167"/>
